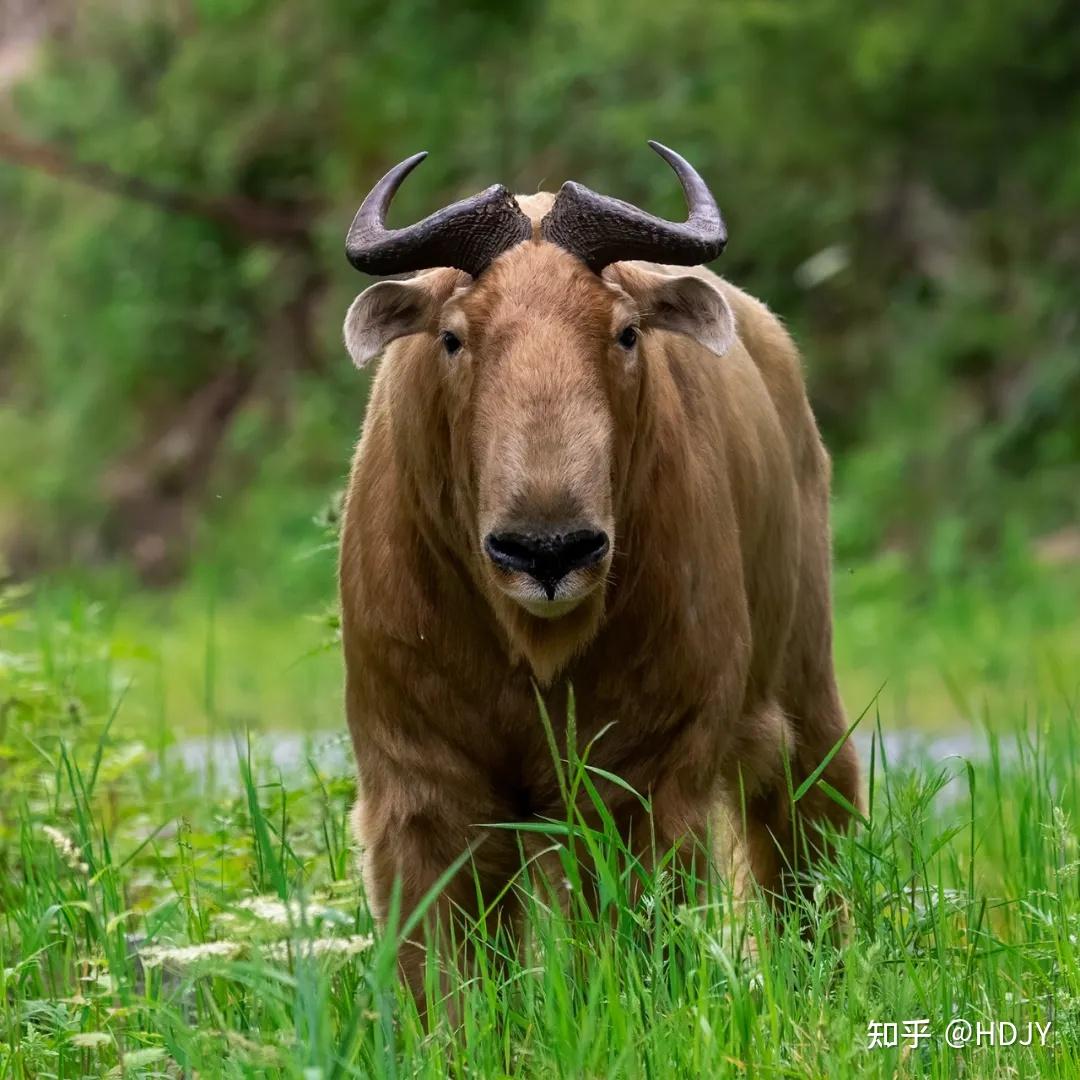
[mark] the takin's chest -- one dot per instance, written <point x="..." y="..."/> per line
<point x="618" y="713"/>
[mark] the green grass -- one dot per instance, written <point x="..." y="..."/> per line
<point x="962" y="890"/>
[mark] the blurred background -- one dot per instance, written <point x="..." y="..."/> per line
<point x="177" y="411"/>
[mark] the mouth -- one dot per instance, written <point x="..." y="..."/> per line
<point x="547" y="600"/>
<point x="549" y="609"/>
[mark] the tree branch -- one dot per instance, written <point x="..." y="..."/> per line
<point x="253" y="220"/>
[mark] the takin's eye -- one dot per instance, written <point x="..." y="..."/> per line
<point x="451" y="342"/>
<point x="628" y="338"/>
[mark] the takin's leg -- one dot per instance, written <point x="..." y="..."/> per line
<point x="783" y="840"/>
<point x="756" y="786"/>
<point x="680" y="832"/>
<point x="407" y="855"/>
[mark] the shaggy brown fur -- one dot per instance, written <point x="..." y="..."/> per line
<point x="704" y="638"/>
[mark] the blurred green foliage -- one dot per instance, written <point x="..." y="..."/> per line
<point x="901" y="183"/>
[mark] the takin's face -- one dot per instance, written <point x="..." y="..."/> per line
<point x="541" y="364"/>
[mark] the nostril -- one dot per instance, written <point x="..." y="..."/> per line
<point x="548" y="557"/>
<point x="512" y="550"/>
<point x="584" y="548"/>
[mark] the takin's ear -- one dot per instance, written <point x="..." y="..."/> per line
<point x="685" y="303"/>
<point x="385" y="312"/>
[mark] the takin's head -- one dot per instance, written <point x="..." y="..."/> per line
<point x="539" y="328"/>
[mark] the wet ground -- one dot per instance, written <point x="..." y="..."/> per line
<point x="292" y="757"/>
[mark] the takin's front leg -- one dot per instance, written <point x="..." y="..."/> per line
<point x="678" y="835"/>
<point x="408" y="847"/>
<point x="784" y="839"/>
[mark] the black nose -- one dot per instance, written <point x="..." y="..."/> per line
<point x="548" y="557"/>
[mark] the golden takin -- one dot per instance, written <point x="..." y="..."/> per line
<point x="581" y="466"/>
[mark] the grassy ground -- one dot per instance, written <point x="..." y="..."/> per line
<point x="152" y="925"/>
<point x="227" y="651"/>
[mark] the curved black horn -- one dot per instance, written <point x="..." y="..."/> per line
<point x="601" y="230"/>
<point x="467" y="234"/>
